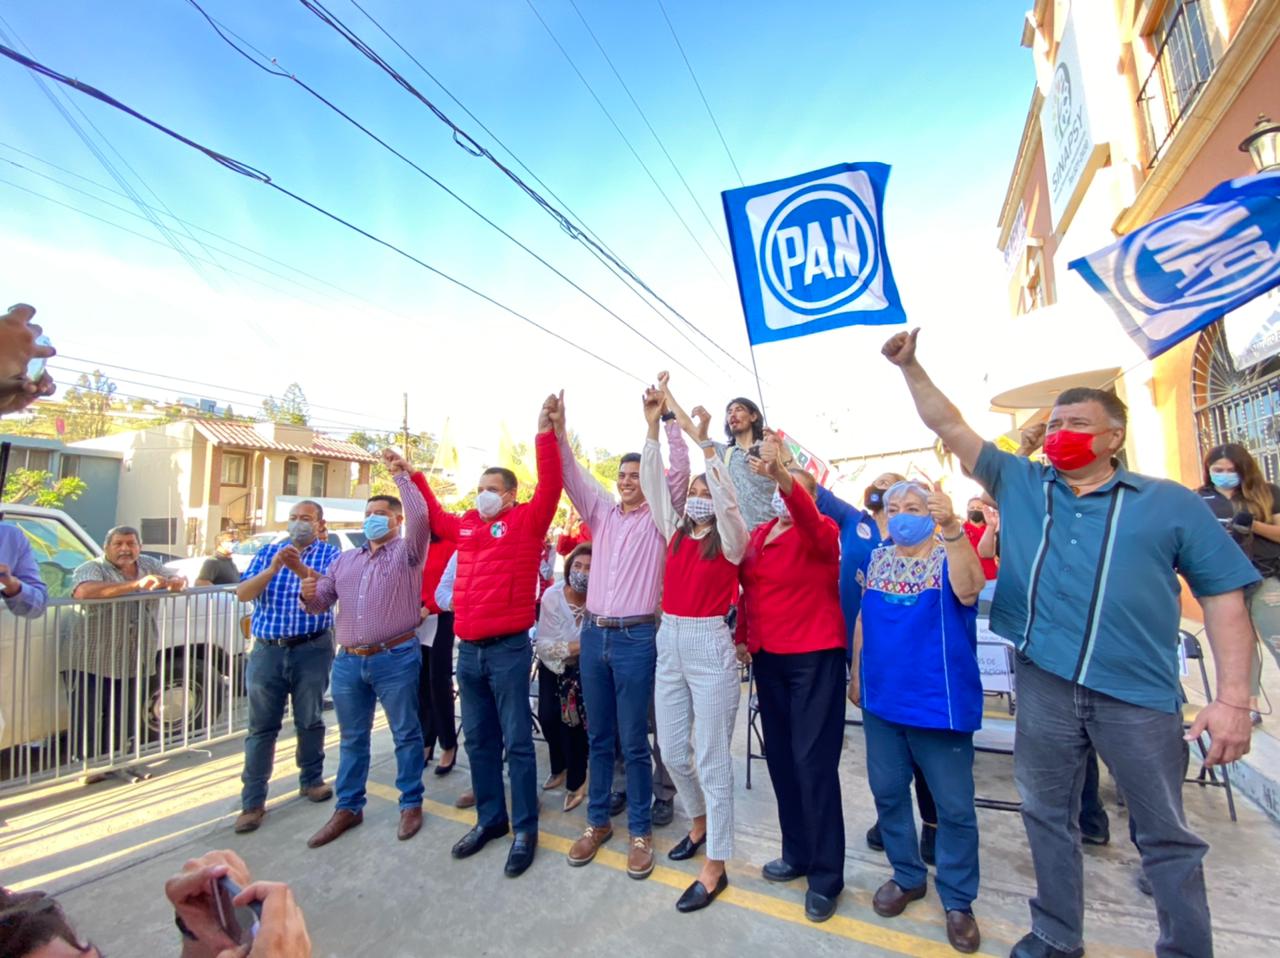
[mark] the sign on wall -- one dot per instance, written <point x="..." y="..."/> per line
<point x="810" y="252"/>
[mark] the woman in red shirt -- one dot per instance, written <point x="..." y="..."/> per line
<point x="794" y="631"/>
<point x="696" y="685"/>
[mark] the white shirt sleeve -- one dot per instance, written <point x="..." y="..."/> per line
<point x="732" y="527"/>
<point x="444" y="591"/>
<point x="654" y="486"/>
<point x="555" y="630"/>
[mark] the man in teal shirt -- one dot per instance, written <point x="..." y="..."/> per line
<point x="1089" y="595"/>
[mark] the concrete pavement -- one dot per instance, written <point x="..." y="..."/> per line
<point x="105" y="850"/>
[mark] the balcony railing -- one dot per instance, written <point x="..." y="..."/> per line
<point x="1184" y="62"/>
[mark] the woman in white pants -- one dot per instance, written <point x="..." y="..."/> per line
<point x="696" y="688"/>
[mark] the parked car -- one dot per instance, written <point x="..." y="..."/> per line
<point x="200" y="644"/>
<point x="246" y="549"/>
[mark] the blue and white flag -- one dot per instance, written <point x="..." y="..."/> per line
<point x="810" y="252"/>
<point x="1178" y="274"/>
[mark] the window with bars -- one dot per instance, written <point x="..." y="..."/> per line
<point x="1184" y="61"/>
<point x="1234" y="405"/>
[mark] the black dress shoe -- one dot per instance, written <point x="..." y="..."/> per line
<point x="696" y="896"/>
<point x="617" y="803"/>
<point x="874" y="841"/>
<point x="521" y="855"/>
<point x="818" y="908"/>
<point x="779" y="871"/>
<point x="477" y="838"/>
<point x="1031" y="946"/>
<point x="929" y="844"/>
<point x="686" y="849"/>
<point x="663" y="811"/>
<point x="443" y="769"/>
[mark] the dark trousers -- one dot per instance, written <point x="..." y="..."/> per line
<point x="494" y="682"/>
<point x="435" y="688"/>
<point x="566" y="744"/>
<point x="103" y="716"/>
<point x="802" y="713"/>
<point x="1058" y="722"/>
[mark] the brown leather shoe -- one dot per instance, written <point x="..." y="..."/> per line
<point x="640" y="857"/>
<point x="466" y="800"/>
<point x="320" y="792"/>
<point x="410" y="823"/>
<point x="342" y="820"/>
<point x="890" y="900"/>
<point x="585" y="848"/>
<point x="962" y="932"/>
<point x="250" y="820"/>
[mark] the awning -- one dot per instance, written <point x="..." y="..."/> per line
<point x="1036" y="356"/>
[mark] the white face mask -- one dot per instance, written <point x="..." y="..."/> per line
<point x="488" y="504"/>
<point x="780" y="505"/>
<point x="699" y="509"/>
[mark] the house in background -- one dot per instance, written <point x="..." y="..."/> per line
<point x="184" y="482"/>
<point x="95" y="509"/>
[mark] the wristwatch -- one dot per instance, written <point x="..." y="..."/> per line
<point x="668" y="416"/>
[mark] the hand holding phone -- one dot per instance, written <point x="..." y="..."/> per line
<point x="239" y="923"/>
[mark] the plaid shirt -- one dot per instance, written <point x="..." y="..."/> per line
<point x="116" y="635"/>
<point x="277" y="613"/>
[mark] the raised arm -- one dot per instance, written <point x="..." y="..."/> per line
<point x="546" y="495"/>
<point x="732" y="527"/>
<point x="833" y="507"/>
<point x="652" y="482"/>
<point x="586" y="495"/>
<point x="964" y="568"/>
<point x="936" y="410"/>
<point x="443" y="524"/>
<point x="679" y="474"/>
<point x="823" y="538"/>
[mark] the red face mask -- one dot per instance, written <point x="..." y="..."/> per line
<point x="1069" y="450"/>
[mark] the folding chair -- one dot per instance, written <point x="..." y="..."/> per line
<point x="755" y="737"/>
<point x="1208" y="775"/>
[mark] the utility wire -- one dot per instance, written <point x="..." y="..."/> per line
<point x="662" y="146"/>
<point x="604" y="109"/>
<point x="275" y="70"/>
<point x="579" y="233"/>
<point x="694" y="77"/>
<point x="244" y="169"/>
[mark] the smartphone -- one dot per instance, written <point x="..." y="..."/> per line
<point x="240" y="923"/>
<point x="35" y="368"/>
<point x="754" y="450"/>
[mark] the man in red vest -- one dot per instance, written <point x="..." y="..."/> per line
<point x="500" y="544"/>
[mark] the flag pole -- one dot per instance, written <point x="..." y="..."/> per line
<point x="759" y="389"/>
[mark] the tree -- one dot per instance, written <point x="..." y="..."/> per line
<point x="38" y="488"/>
<point x="291" y="409"/>
<point x="88" y="405"/>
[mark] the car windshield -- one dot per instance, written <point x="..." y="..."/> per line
<point x="58" y="552"/>
<point x="251" y="545"/>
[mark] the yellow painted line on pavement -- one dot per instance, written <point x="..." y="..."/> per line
<point x="867" y="933"/>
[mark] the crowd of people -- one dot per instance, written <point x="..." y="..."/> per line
<point x="676" y="584"/>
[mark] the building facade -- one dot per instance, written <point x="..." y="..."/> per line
<point x="95" y="508"/>
<point x="183" y="483"/>
<point x="1139" y="107"/>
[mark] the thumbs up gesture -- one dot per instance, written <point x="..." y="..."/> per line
<point x="310" y="581"/>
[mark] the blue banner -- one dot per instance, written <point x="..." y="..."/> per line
<point x="1179" y="273"/>
<point x="810" y="252"/>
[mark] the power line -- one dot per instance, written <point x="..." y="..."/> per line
<point x="604" y="109"/>
<point x="276" y="71"/>
<point x="245" y="170"/>
<point x="472" y="146"/>
<point x="607" y="59"/>
<point x="693" y="76"/>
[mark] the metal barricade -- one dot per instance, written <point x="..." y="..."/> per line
<point x="96" y="685"/>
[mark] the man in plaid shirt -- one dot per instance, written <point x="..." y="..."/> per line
<point x="291" y="656"/>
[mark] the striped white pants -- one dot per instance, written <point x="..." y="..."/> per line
<point x="696" y="690"/>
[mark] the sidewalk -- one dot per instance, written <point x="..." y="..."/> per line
<point x="106" y="850"/>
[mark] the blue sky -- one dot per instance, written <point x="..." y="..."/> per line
<point x="938" y="90"/>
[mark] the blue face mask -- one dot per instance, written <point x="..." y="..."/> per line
<point x="375" y="527"/>
<point x="909" y="530"/>
<point x="1224" y="480"/>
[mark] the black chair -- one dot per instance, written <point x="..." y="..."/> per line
<point x="755" y="737"/>
<point x="1216" y="777"/>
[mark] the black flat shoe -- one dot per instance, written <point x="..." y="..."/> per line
<point x="697" y="897"/>
<point x="686" y="849"/>
<point x="874" y="841"/>
<point x="477" y="838"/>
<point x="446" y="769"/>
<point x="663" y="811"/>
<point x="617" y="803"/>
<point x="818" y="908"/>
<point x="779" y="871"/>
<point x="521" y="855"/>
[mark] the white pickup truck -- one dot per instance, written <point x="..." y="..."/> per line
<point x="198" y="664"/>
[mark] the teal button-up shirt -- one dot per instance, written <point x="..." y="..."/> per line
<point x="1088" y="585"/>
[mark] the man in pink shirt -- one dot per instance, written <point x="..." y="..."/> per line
<point x="618" y="655"/>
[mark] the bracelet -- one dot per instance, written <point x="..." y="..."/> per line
<point x="954" y="538"/>
<point x="1232" y="705"/>
<point x="706" y="443"/>
<point x="668" y="416"/>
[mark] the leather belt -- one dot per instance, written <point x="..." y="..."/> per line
<point x="375" y="647"/>
<point x="605" y="622"/>
<point x="289" y="641"/>
<point x="492" y="640"/>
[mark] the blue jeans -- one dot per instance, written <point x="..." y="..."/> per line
<point x="494" y="684"/>
<point x="946" y="759"/>
<point x="617" y="668"/>
<point x="1058" y="721"/>
<point x="273" y="675"/>
<point x="359" y="684"/>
